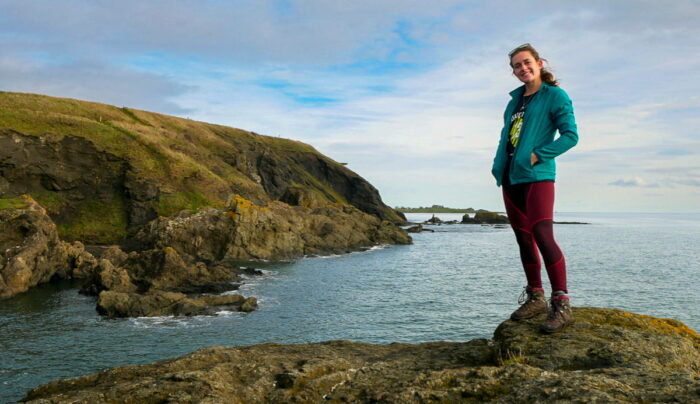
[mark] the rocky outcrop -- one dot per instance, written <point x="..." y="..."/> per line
<point x="485" y="217"/>
<point x="31" y="252"/>
<point x="605" y="356"/>
<point x="145" y="283"/>
<point x="419" y="229"/>
<point x="273" y="231"/>
<point x="181" y="259"/>
<point x="176" y="260"/>
<point x="162" y="303"/>
<point x="161" y="282"/>
<point x="434" y="220"/>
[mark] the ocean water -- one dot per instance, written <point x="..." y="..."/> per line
<point x="455" y="284"/>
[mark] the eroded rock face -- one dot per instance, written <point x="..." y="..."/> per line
<point x="72" y="177"/>
<point x="606" y="356"/>
<point x="274" y="231"/>
<point x="31" y="252"/>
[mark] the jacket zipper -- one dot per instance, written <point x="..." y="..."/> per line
<point x="522" y="132"/>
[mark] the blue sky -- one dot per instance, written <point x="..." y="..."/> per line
<point x="409" y="93"/>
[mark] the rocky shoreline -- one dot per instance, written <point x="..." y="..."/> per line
<point x="181" y="265"/>
<point x="605" y="356"/>
<point x="176" y="204"/>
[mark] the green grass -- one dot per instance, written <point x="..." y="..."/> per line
<point x="53" y="202"/>
<point x="133" y="116"/>
<point x="13" y="203"/>
<point x="179" y="153"/>
<point x="171" y="204"/>
<point x="97" y="222"/>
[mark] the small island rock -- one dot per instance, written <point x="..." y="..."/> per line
<point x="485" y="217"/>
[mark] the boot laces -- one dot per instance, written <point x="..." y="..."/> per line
<point x="524" y="296"/>
<point x="556" y="306"/>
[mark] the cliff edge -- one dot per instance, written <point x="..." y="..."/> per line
<point x="606" y="356"/>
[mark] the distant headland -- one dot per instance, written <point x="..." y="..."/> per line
<point x="434" y="209"/>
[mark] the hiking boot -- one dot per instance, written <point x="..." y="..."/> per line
<point x="559" y="315"/>
<point x="532" y="303"/>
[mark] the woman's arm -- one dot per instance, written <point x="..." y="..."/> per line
<point x="562" y="114"/>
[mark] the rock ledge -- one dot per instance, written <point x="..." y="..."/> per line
<point x="606" y="356"/>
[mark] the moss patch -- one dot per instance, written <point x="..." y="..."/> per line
<point x="13" y="203"/>
<point x="97" y="222"/>
<point x="171" y="204"/>
<point x="53" y="202"/>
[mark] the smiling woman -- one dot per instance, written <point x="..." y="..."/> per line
<point x="524" y="165"/>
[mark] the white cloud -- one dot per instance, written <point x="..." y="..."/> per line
<point x="634" y="182"/>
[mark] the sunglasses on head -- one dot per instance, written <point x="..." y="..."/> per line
<point x="520" y="48"/>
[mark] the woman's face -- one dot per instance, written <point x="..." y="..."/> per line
<point x="525" y="67"/>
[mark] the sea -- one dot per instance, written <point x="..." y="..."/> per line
<point x="454" y="284"/>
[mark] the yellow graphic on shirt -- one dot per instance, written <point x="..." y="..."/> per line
<point x="515" y="128"/>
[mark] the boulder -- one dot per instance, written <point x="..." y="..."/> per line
<point x="161" y="282"/>
<point x="605" y="356"/>
<point x="31" y="252"/>
<point x="415" y="229"/>
<point x="418" y="229"/>
<point x="161" y="303"/>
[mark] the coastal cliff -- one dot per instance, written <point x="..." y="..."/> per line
<point x="102" y="171"/>
<point x="182" y="200"/>
<point x="605" y="356"/>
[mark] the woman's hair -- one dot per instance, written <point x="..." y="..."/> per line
<point x="546" y="74"/>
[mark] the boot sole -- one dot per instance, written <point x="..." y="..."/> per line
<point x="560" y="329"/>
<point x="527" y="317"/>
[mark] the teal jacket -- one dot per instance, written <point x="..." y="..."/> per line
<point x="549" y="110"/>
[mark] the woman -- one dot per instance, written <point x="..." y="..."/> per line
<point x="524" y="165"/>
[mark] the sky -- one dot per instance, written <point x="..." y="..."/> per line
<point x="410" y="94"/>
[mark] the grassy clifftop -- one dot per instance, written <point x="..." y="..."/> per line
<point x="161" y="148"/>
<point x="191" y="164"/>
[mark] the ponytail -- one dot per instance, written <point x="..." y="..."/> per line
<point x="548" y="77"/>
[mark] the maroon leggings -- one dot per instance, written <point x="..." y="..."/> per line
<point x="530" y="209"/>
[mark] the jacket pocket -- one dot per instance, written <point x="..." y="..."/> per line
<point x="544" y="171"/>
<point x="521" y="165"/>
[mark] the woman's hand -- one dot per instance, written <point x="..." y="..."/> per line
<point x="533" y="159"/>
